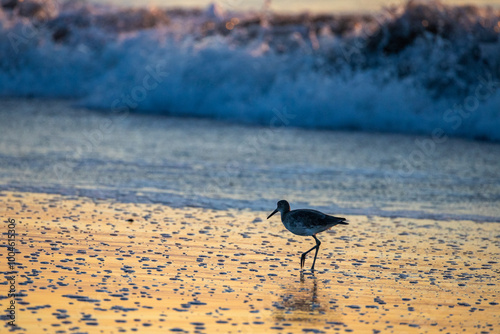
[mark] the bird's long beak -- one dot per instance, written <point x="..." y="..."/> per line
<point x="272" y="213"/>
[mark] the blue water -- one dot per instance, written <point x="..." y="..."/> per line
<point x="421" y="68"/>
<point x="49" y="146"/>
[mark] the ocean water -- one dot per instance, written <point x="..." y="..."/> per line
<point x="347" y="113"/>
<point x="51" y="146"/>
<point x="419" y="68"/>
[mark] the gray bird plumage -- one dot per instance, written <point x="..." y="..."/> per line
<point x="306" y="222"/>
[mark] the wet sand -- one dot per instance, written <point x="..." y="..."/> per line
<point x="92" y="266"/>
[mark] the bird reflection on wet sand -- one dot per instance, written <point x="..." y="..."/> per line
<point x="299" y="300"/>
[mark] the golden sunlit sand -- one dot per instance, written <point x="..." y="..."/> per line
<point x="89" y="266"/>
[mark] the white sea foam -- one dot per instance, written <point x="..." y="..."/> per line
<point x="420" y="68"/>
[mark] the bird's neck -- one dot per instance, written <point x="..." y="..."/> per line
<point x="283" y="214"/>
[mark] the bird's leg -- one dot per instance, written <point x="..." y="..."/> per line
<point x="318" y="243"/>
<point x="303" y="257"/>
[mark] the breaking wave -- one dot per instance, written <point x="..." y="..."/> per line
<point x="422" y="67"/>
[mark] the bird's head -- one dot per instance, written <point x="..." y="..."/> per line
<point x="282" y="207"/>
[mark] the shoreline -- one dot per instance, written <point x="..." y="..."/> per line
<point x="51" y="147"/>
<point x="176" y="201"/>
<point x="83" y="263"/>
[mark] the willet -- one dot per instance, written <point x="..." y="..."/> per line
<point x="306" y="222"/>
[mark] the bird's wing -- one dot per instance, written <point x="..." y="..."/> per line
<point x="316" y="218"/>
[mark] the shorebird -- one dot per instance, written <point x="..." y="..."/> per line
<point x="306" y="222"/>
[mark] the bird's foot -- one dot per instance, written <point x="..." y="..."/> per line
<point x="302" y="260"/>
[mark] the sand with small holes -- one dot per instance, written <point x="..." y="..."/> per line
<point x="90" y="266"/>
